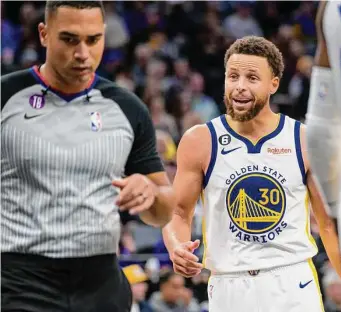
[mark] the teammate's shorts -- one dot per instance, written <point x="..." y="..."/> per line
<point x="293" y="288"/>
<point x="31" y="283"/>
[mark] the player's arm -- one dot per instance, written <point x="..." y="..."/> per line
<point x="323" y="122"/>
<point x="326" y="224"/>
<point x="192" y="157"/>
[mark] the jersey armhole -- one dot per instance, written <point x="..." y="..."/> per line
<point x="297" y="134"/>
<point x="214" y="147"/>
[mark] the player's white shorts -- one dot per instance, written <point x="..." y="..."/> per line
<point x="293" y="288"/>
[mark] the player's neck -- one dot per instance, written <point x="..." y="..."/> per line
<point x="55" y="81"/>
<point x="264" y="123"/>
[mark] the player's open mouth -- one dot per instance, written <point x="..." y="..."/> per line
<point x="241" y="102"/>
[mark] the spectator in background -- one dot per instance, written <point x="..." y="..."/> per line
<point x="304" y="22"/>
<point x="242" y="23"/>
<point x="143" y="53"/>
<point x="190" y="302"/>
<point x="137" y="279"/>
<point x="202" y="104"/>
<point x="9" y="39"/>
<point x="161" y="119"/>
<point x="270" y="21"/>
<point x="123" y="78"/>
<point x="168" y="299"/>
<point x="331" y="283"/>
<point x="299" y="87"/>
<point x="116" y="34"/>
<point x="181" y="76"/>
<point x="127" y="243"/>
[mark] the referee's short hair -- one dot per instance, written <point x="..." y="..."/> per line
<point x="53" y="5"/>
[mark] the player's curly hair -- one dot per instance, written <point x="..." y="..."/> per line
<point x="258" y="46"/>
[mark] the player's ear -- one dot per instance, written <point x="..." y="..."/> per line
<point x="42" y="28"/>
<point x="274" y="85"/>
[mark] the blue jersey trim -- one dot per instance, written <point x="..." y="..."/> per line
<point x="297" y="134"/>
<point x="254" y="148"/>
<point x="65" y="97"/>
<point x="213" y="153"/>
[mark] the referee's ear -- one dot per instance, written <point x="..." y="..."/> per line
<point x="42" y="34"/>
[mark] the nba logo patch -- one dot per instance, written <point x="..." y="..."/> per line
<point x="96" y="121"/>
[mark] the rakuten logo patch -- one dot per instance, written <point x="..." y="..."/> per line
<point x="279" y="151"/>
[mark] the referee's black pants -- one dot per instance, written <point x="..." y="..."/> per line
<point x="31" y="283"/>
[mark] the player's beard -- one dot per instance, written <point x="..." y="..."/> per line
<point x="252" y="112"/>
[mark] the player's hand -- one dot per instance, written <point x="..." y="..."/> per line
<point x="137" y="193"/>
<point x="184" y="261"/>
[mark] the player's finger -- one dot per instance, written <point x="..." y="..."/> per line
<point x="185" y="254"/>
<point x="135" y="202"/>
<point x="185" y="272"/>
<point x="194" y="245"/>
<point x="187" y="263"/>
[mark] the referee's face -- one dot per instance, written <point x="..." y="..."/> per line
<point x="74" y="41"/>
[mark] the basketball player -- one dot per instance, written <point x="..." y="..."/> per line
<point x="324" y="109"/>
<point x="252" y="170"/>
<point x="75" y="148"/>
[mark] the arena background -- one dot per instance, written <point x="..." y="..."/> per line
<point x="171" y="55"/>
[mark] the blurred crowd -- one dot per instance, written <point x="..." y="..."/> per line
<point x="170" y="53"/>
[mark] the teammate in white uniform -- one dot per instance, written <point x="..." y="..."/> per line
<point x="251" y="168"/>
<point x="324" y="109"/>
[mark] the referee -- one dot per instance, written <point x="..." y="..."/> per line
<point x="76" y="149"/>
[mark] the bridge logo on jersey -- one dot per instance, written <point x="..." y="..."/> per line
<point x="256" y="204"/>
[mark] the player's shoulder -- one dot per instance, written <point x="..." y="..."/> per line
<point x="14" y="82"/>
<point x="200" y="133"/>
<point x="196" y="133"/>
<point x="196" y="138"/>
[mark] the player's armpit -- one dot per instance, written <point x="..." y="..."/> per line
<point x="192" y="158"/>
<point x="325" y="223"/>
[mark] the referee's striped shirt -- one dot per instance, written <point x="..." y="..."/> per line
<point x="59" y="154"/>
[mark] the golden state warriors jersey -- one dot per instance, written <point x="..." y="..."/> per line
<point x="256" y="205"/>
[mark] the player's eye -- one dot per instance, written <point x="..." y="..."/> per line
<point x="253" y="78"/>
<point x="70" y="40"/>
<point x="92" y="40"/>
<point x="233" y="76"/>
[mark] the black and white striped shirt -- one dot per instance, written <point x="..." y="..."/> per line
<point x="59" y="154"/>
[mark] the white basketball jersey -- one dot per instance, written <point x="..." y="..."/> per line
<point x="332" y="35"/>
<point x="256" y="206"/>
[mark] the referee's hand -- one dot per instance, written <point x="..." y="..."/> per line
<point x="137" y="193"/>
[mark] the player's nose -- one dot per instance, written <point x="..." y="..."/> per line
<point x="82" y="52"/>
<point x="241" y="86"/>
